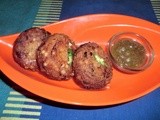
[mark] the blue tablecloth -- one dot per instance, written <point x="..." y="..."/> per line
<point x="18" y="104"/>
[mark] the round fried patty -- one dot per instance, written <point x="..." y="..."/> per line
<point x="92" y="68"/>
<point x="26" y="45"/>
<point x="54" y="57"/>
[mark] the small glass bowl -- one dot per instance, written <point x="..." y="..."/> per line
<point x="130" y="52"/>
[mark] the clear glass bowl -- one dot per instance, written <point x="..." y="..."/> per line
<point x="130" y="52"/>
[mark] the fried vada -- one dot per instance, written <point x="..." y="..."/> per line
<point x="26" y="45"/>
<point x="92" y="68"/>
<point x="54" y="57"/>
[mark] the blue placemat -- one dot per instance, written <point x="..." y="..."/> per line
<point x="17" y="15"/>
<point x="18" y="104"/>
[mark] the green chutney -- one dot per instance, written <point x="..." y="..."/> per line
<point x="128" y="53"/>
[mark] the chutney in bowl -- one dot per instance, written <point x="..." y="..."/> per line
<point x="130" y="52"/>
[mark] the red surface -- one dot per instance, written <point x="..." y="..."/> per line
<point x="97" y="28"/>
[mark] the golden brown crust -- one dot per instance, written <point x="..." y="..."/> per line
<point x="89" y="73"/>
<point x="52" y="57"/>
<point x="26" y="45"/>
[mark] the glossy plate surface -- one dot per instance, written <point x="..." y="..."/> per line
<point x="96" y="28"/>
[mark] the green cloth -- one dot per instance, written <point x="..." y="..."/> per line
<point x="22" y="13"/>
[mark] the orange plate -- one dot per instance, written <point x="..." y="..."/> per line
<point x="97" y="28"/>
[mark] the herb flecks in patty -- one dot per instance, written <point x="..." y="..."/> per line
<point x="99" y="59"/>
<point x="70" y="56"/>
